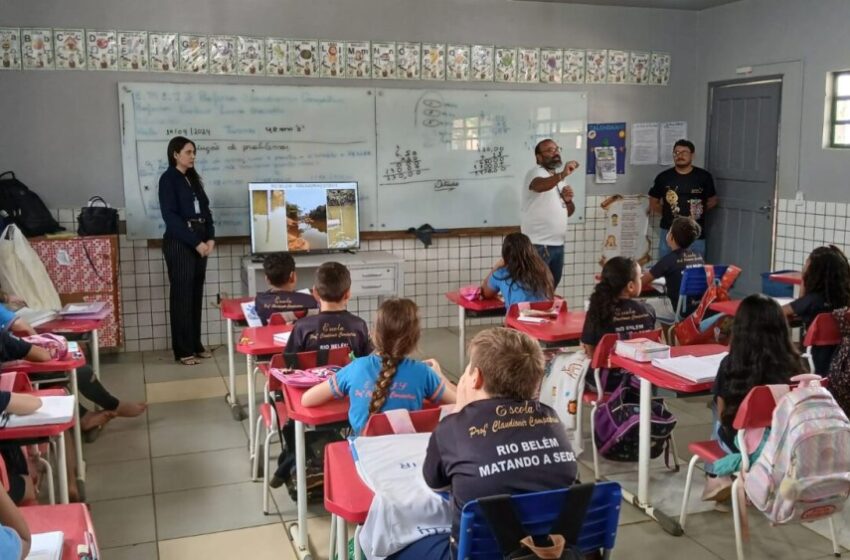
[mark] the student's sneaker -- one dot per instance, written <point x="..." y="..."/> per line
<point x="717" y="488"/>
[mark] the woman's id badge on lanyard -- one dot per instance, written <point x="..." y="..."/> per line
<point x="197" y="206"/>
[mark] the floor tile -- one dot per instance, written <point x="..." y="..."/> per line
<point x="209" y="510"/>
<point x="144" y="551"/>
<point x="318" y="532"/>
<point x="125" y="381"/>
<point x="186" y="389"/>
<point x="172" y="371"/>
<point x="120" y="358"/>
<point x="257" y="543"/>
<point x="642" y="541"/>
<point x="666" y="490"/>
<point x="117" y="445"/>
<point x="124" y="522"/>
<point x="842" y="527"/>
<point x="124" y="479"/>
<point x="192" y="437"/>
<point x="200" y="470"/>
<point x="201" y="410"/>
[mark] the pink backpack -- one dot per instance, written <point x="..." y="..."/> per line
<point x="803" y="472"/>
<point x="304" y="377"/>
<point x="53" y="343"/>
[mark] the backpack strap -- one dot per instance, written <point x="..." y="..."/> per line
<point x="571" y="518"/>
<point x="290" y="360"/>
<point x="11" y="173"/>
<point x="504" y="522"/>
<point x="322" y="356"/>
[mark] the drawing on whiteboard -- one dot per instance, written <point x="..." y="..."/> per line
<point x="405" y="166"/>
<point x="491" y="161"/>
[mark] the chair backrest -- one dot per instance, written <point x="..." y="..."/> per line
<point x="15" y="382"/>
<point x="603" y="350"/>
<point x="424" y="420"/>
<point x="756" y="411"/>
<point x="694" y="282"/>
<point x="277" y="319"/>
<point x="537" y="512"/>
<point x="822" y="332"/>
<point x="336" y="357"/>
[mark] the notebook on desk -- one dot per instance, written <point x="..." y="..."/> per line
<point x="46" y="546"/>
<point x="83" y="308"/>
<point x="35" y="317"/>
<point x="54" y="410"/>
<point x="699" y="369"/>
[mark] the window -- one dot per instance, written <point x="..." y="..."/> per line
<point x="839" y="125"/>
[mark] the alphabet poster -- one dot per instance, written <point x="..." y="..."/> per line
<point x="626" y="228"/>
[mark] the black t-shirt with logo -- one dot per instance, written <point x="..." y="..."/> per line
<point x="292" y="305"/>
<point x="329" y="330"/>
<point x="670" y="267"/>
<point x="683" y="195"/>
<point x="498" y="446"/>
<point x="630" y="316"/>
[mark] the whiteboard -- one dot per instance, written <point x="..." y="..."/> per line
<point x="458" y="158"/>
<point x="244" y="133"/>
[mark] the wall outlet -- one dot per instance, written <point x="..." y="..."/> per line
<point x="799" y="198"/>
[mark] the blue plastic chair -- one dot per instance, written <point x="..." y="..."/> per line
<point x="538" y="512"/>
<point x="694" y="285"/>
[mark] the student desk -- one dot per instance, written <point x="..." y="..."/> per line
<point x="650" y="375"/>
<point x="79" y="326"/>
<point x="347" y="498"/>
<point x="30" y="433"/>
<point x="489" y="307"/>
<point x="231" y="311"/>
<point x="72" y="519"/>
<point x="793" y="278"/>
<point x="70" y="365"/>
<point x="567" y="326"/>
<point x="332" y="412"/>
<point x="253" y="342"/>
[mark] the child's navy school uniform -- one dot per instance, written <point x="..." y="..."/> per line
<point x="807" y="308"/>
<point x="511" y="290"/>
<point x="671" y="266"/>
<point x="329" y="330"/>
<point x="293" y="305"/>
<point x="630" y="316"/>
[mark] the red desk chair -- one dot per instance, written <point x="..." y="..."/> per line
<point x="754" y="415"/>
<point x="822" y="332"/>
<point x="601" y="359"/>
<point x="272" y="413"/>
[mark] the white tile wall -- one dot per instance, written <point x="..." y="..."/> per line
<point x="805" y="225"/>
<point x="429" y="273"/>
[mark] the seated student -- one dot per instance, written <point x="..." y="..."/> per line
<point x="826" y="286"/>
<point x="612" y="309"/>
<point x="21" y="488"/>
<point x="10" y="322"/>
<point x="387" y="379"/>
<point x="15" y="537"/>
<point x="282" y="297"/>
<point x="682" y="233"/>
<point x="520" y="275"/>
<point x="333" y="327"/>
<point x="760" y="353"/>
<point x="467" y="457"/>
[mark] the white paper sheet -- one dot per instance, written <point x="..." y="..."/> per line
<point x="670" y="133"/>
<point x="697" y="369"/>
<point x="46" y="546"/>
<point x="644" y="144"/>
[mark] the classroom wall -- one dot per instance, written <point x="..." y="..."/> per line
<point x="66" y="146"/>
<point x="803" y="40"/>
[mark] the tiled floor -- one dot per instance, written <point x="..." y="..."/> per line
<point x="175" y="483"/>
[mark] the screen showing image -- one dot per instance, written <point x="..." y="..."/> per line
<point x="298" y="217"/>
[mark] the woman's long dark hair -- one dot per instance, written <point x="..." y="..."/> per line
<point x="828" y="274"/>
<point x="176" y="145"/>
<point x="525" y="267"/>
<point x="761" y="351"/>
<point x="616" y="275"/>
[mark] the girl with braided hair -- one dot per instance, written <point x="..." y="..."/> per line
<point x="388" y="379"/>
<point x="520" y="275"/>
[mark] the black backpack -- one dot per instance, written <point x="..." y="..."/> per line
<point x="561" y="542"/>
<point x="25" y="208"/>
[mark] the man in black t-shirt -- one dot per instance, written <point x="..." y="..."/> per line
<point x="683" y="190"/>
<point x="500" y="440"/>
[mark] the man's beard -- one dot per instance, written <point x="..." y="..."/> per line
<point x="552" y="164"/>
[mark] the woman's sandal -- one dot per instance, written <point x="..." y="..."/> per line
<point x="205" y="355"/>
<point x="189" y="361"/>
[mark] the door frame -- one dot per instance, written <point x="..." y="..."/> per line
<point x="752" y="81"/>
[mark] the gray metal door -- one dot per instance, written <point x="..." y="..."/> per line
<point x="741" y="154"/>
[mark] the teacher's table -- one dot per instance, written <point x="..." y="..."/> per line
<point x="253" y="342"/>
<point x="793" y="278"/>
<point x="231" y="311"/>
<point x="565" y="327"/>
<point x="650" y="375"/>
<point x="70" y="365"/>
<point x="79" y="325"/>
<point x="32" y="434"/>
<point x="347" y="498"/>
<point x="332" y="412"/>
<point x="72" y="519"/>
<point x="490" y="307"/>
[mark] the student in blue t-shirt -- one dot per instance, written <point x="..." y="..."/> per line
<point x="15" y="538"/>
<point x="520" y="275"/>
<point x="387" y="379"/>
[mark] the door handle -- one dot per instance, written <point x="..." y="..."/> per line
<point x="766" y="209"/>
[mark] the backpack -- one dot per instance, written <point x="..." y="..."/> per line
<point x="617" y="425"/>
<point x="53" y="343"/>
<point x="803" y="472"/>
<point x="517" y="544"/>
<point x="304" y="377"/>
<point x="25" y="208"/>
<point x="688" y="330"/>
<point x="839" y="366"/>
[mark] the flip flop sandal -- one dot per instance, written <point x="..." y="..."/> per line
<point x="205" y="355"/>
<point x="189" y="361"/>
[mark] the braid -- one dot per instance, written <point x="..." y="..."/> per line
<point x="389" y="366"/>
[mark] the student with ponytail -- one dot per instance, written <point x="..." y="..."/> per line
<point x="387" y="379"/>
<point x="520" y="275"/>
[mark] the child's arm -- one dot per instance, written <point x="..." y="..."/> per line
<point x="449" y="395"/>
<point x="647" y="277"/>
<point x="37" y="354"/>
<point x="588" y="349"/>
<point x="10" y="516"/>
<point x="318" y="395"/>
<point x="22" y="404"/>
<point x="486" y="290"/>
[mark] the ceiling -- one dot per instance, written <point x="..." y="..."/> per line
<point x="663" y="4"/>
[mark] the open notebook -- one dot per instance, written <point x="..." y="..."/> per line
<point x="46" y="546"/>
<point x="54" y="410"/>
<point x="697" y="369"/>
<point x="35" y="317"/>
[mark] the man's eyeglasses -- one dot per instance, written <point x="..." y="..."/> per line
<point x="680" y="152"/>
<point x="552" y="150"/>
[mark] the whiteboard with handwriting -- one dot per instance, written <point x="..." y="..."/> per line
<point x="243" y="134"/>
<point x="458" y="158"/>
<point x="450" y="158"/>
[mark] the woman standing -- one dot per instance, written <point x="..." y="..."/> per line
<point x="186" y="244"/>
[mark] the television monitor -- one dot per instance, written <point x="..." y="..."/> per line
<point x="303" y="217"/>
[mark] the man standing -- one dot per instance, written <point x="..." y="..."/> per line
<point x="682" y="191"/>
<point x="547" y="202"/>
